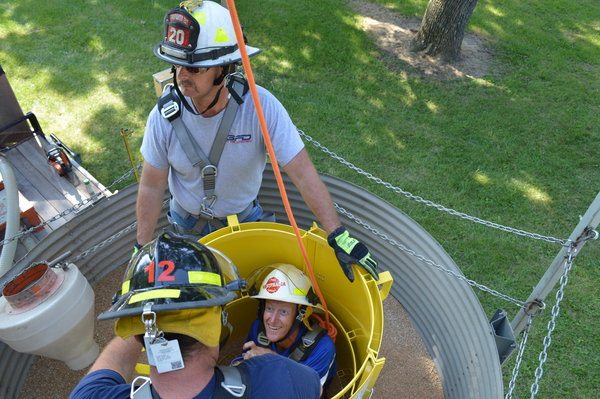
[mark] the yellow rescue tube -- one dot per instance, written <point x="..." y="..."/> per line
<point x="355" y="308"/>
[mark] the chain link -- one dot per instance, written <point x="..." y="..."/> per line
<point x="519" y="359"/>
<point x="564" y="279"/>
<point x="104" y="243"/>
<point x="425" y="260"/>
<point x="429" y="203"/>
<point x="75" y="208"/>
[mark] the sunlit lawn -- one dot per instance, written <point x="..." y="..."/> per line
<point x="518" y="147"/>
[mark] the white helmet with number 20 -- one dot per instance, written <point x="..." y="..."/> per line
<point x="200" y="34"/>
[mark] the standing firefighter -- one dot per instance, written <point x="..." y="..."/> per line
<point x="203" y="140"/>
<point x="171" y="303"/>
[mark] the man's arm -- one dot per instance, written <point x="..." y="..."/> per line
<point x="119" y="355"/>
<point x="348" y="250"/>
<point x="151" y="193"/>
<point x="305" y="177"/>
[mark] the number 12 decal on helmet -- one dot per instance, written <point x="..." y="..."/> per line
<point x="166" y="275"/>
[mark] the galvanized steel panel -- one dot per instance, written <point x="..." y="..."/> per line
<point x="444" y="310"/>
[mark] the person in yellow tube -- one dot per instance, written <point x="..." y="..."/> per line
<point x="284" y="325"/>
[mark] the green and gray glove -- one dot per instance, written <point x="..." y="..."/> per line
<point x="349" y="250"/>
<point x="136" y="247"/>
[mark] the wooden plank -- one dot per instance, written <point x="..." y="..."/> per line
<point x="46" y="209"/>
<point x="50" y="193"/>
<point x="96" y="185"/>
<point x="28" y="174"/>
<point x="36" y="156"/>
<point x="48" y="204"/>
<point x="28" y="214"/>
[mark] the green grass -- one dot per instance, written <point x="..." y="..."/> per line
<point x="518" y="147"/>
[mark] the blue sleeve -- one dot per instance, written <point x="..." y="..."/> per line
<point x="253" y="333"/>
<point x="321" y="358"/>
<point x="274" y="376"/>
<point x="101" y="384"/>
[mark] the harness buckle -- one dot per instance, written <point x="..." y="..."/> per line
<point x="206" y="207"/>
<point x="232" y="381"/>
<point x="262" y="339"/>
<point x="142" y="391"/>
<point x="169" y="110"/>
<point x="308" y="341"/>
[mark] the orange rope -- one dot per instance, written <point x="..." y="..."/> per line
<point x="265" y="133"/>
<point x="327" y="326"/>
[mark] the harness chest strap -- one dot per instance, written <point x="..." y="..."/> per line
<point x="307" y="344"/>
<point x="304" y="346"/>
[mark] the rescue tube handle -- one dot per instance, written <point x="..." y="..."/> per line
<point x="385" y="284"/>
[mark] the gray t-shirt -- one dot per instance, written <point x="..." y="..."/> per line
<point x="242" y="161"/>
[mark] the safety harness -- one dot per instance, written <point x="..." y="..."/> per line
<point x="232" y="382"/>
<point x="170" y="106"/>
<point x="302" y="348"/>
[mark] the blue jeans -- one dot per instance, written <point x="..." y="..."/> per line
<point x="186" y="225"/>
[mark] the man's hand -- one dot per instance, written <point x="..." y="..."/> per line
<point x="251" y="350"/>
<point x="349" y="250"/>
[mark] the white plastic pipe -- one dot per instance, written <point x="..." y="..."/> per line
<point x="12" y="214"/>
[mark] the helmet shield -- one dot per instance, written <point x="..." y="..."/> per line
<point x="174" y="273"/>
<point x="200" y="34"/>
<point x="181" y="32"/>
<point x="282" y="282"/>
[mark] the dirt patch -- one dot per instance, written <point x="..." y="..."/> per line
<point x="392" y="33"/>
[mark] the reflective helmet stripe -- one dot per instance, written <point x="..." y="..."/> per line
<point x="155" y="294"/>
<point x="299" y="292"/>
<point x="198" y="277"/>
<point x="125" y="287"/>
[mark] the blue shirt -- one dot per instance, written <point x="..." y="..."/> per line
<point x="270" y="376"/>
<point x="321" y="359"/>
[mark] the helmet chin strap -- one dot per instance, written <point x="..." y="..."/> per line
<point x="218" y="81"/>
<point x="214" y="101"/>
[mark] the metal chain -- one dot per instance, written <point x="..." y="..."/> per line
<point x="93" y="198"/>
<point x="519" y="359"/>
<point x="425" y="260"/>
<point x="102" y="244"/>
<point x="564" y="279"/>
<point x="432" y="204"/>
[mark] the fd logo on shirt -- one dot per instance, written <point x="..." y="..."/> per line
<point x="273" y="284"/>
<point x="239" y="138"/>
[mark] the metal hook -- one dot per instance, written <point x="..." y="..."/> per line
<point x="533" y="308"/>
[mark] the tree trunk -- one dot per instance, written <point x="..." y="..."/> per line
<point x="443" y="28"/>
